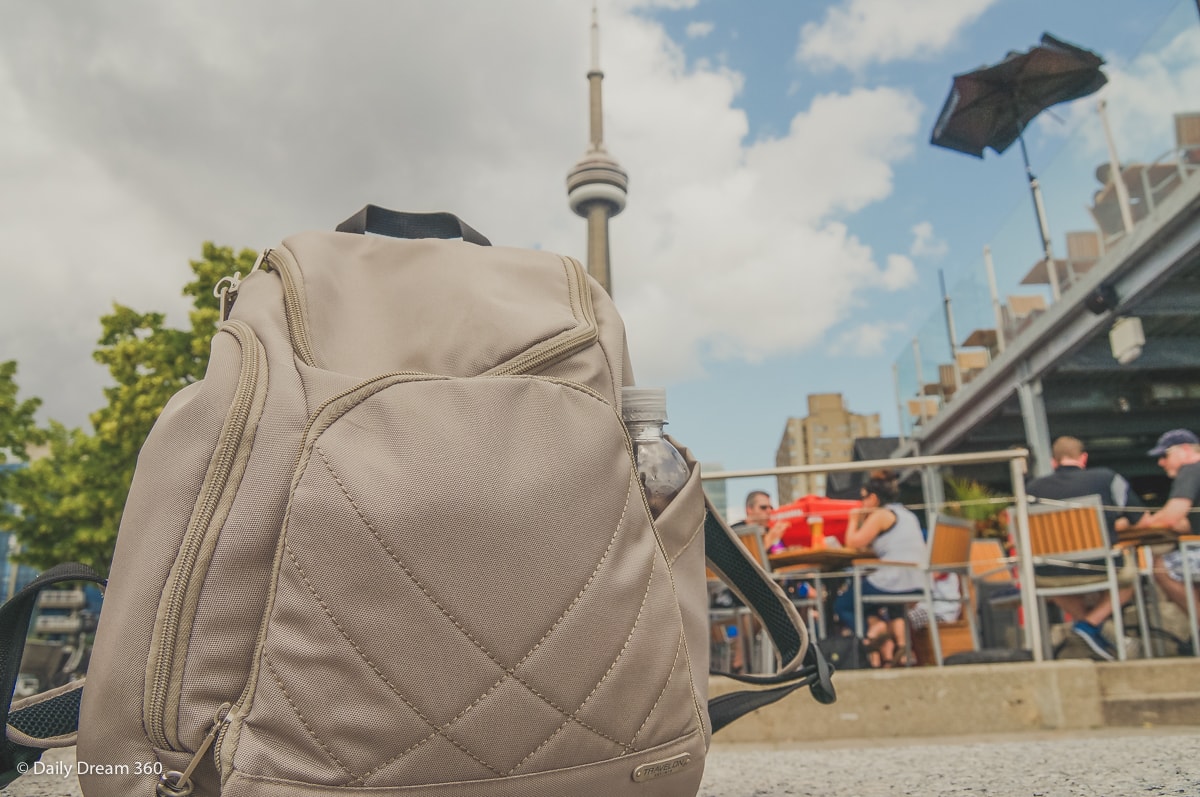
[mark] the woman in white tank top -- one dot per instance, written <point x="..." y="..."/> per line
<point x="892" y="533"/>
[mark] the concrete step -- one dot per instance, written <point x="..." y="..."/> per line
<point x="1162" y="709"/>
<point x="969" y="699"/>
<point x="1147" y="678"/>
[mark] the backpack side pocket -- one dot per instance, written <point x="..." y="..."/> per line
<point x="177" y="607"/>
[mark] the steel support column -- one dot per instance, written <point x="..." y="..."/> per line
<point x="1037" y="427"/>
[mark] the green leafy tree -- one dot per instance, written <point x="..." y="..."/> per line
<point x="17" y="427"/>
<point x="67" y="505"/>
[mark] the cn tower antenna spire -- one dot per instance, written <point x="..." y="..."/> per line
<point x="597" y="185"/>
<point x="595" y="39"/>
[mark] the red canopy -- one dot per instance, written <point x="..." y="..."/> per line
<point x="835" y="513"/>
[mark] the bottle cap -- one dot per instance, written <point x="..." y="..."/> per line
<point x="644" y="404"/>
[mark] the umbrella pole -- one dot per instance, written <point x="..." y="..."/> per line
<point x="1043" y="226"/>
<point x="951" y="335"/>
<point x="997" y="308"/>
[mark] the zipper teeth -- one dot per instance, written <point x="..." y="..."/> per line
<point x="523" y="365"/>
<point x="243" y="399"/>
<point x="293" y="306"/>
<point x="578" y="293"/>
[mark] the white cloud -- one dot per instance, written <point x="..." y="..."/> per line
<point x="160" y="127"/>
<point x="862" y="32"/>
<point x="925" y="243"/>
<point x="867" y="340"/>
<point x="1142" y="94"/>
<point x="733" y="249"/>
<point x="900" y="273"/>
<point x="698" y="30"/>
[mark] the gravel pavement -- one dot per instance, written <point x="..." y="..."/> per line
<point x="1109" y="763"/>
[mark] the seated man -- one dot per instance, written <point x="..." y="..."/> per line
<point x="1072" y="479"/>
<point x="1178" y="453"/>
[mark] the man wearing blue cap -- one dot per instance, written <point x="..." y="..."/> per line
<point x="1178" y="453"/>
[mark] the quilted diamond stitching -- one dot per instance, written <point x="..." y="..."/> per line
<point x="387" y="682"/>
<point x="628" y="746"/>
<point x="307" y="726"/>
<point x="508" y="672"/>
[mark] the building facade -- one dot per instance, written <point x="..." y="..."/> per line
<point x="825" y="435"/>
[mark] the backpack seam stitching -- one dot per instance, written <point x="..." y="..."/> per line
<point x="683" y="549"/>
<point x="300" y="716"/>
<point x="585" y="286"/>
<point x="670" y="676"/>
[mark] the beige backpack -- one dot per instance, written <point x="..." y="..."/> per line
<point x="395" y="543"/>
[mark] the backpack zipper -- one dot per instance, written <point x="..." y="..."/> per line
<point x="166" y="657"/>
<point x="281" y="262"/>
<point x="179" y="784"/>
<point x="580" y="297"/>
<point x="226" y="289"/>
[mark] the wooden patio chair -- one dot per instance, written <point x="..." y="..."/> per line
<point x="1070" y="534"/>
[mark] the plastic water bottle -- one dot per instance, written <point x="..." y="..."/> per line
<point x="661" y="467"/>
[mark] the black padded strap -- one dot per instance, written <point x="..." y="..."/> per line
<point x="14" y="627"/>
<point x="396" y="224"/>
<point x="739" y="570"/>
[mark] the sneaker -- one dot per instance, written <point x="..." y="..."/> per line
<point x="1090" y="634"/>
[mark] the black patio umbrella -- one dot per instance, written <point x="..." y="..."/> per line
<point x="990" y="106"/>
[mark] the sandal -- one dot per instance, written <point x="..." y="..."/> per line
<point x="874" y="643"/>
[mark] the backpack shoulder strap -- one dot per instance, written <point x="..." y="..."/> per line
<point x="801" y="663"/>
<point x="46" y="720"/>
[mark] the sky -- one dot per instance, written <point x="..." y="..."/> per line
<point x="787" y="217"/>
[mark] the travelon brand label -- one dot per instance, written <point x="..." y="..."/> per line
<point x="658" y="769"/>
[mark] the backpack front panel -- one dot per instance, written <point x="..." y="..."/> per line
<point x="461" y="600"/>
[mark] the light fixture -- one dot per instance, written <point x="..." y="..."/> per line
<point x="1102" y="299"/>
<point x="1126" y="339"/>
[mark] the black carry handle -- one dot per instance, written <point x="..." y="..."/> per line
<point x="14" y="627"/>
<point x="396" y="224"/>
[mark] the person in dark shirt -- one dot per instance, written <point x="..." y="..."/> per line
<point x="1178" y="453"/>
<point x="1073" y="479"/>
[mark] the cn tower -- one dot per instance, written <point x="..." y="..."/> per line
<point x="596" y="186"/>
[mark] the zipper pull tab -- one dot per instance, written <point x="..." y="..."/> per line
<point x="179" y="784"/>
<point x="226" y="288"/>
